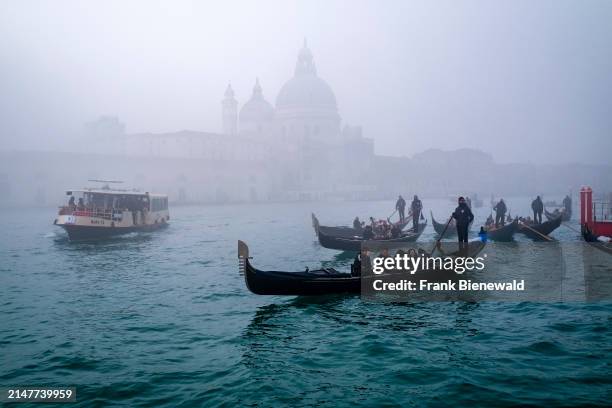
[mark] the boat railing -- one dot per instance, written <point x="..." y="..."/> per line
<point x="103" y="213"/>
<point x="602" y="211"/>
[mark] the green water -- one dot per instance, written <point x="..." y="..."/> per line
<point x="164" y="319"/>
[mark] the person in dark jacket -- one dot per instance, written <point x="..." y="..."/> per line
<point x="368" y="233"/>
<point x="463" y="217"/>
<point x="567" y="204"/>
<point x="415" y="207"/>
<point x="500" y="213"/>
<point x="538" y="208"/>
<point x="357" y="224"/>
<point x="400" y="206"/>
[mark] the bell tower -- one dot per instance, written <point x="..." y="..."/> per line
<point x="229" y="112"/>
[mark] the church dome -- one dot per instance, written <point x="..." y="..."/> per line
<point x="306" y="90"/>
<point x="257" y="109"/>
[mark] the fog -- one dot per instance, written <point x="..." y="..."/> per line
<point x="514" y="79"/>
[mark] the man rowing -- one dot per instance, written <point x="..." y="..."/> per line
<point x="463" y="217"/>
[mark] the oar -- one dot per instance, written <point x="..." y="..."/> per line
<point x="546" y="237"/>
<point x="393" y="213"/>
<point x="441" y="235"/>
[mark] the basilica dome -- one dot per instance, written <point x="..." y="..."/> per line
<point x="257" y="109"/>
<point x="306" y="90"/>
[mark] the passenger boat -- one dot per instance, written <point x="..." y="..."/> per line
<point x="353" y="243"/>
<point x="504" y="233"/>
<point x="451" y="231"/>
<point x="105" y="212"/>
<point x="324" y="281"/>
<point x="537" y="232"/>
<point x="343" y="231"/>
<point x="563" y="214"/>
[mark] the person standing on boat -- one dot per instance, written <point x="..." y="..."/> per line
<point x="71" y="204"/>
<point x="357" y="224"/>
<point x="400" y="206"/>
<point x="567" y="204"/>
<point x="415" y="207"/>
<point x="538" y="208"/>
<point x="500" y="213"/>
<point x="463" y="217"/>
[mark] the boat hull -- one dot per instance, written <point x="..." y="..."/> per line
<point x="544" y="228"/>
<point x="505" y="233"/>
<point x="95" y="233"/>
<point x="353" y="243"/>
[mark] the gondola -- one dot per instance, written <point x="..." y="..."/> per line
<point x="544" y="228"/>
<point x="451" y="231"/>
<point x="343" y="231"/>
<point x="504" y="233"/>
<point x="564" y="215"/>
<point x="325" y="281"/>
<point x="344" y="243"/>
<point x="593" y="240"/>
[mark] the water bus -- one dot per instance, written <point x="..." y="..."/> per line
<point x="98" y="213"/>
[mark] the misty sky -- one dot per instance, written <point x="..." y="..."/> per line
<point x="522" y="80"/>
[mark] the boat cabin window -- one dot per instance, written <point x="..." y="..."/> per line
<point x="159" y="203"/>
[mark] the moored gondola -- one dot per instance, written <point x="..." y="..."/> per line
<point x="594" y="241"/>
<point x="504" y="233"/>
<point x="353" y="243"/>
<point x="324" y="281"/>
<point x="344" y="231"/>
<point x="539" y="232"/>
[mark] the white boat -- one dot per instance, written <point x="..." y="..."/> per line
<point x="97" y="213"/>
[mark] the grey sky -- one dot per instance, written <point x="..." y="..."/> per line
<point x="523" y="80"/>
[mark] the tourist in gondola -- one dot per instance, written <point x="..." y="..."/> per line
<point x="482" y="234"/>
<point x="416" y="207"/>
<point x="500" y="213"/>
<point x="538" y="208"/>
<point x="368" y="232"/>
<point x="463" y="217"/>
<point x="400" y="206"/>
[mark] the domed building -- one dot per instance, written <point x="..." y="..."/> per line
<point x="306" y="105"/>
<point x="312" y="157"/>
<point x="257" y="115"/>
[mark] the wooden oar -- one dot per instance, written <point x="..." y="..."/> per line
<point x="546" y="237"/>
<point x="441" y="235"/>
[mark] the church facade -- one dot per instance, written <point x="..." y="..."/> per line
<point x="299" y="146"/>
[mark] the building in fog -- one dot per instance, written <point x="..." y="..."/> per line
<point x="298" y="145"/>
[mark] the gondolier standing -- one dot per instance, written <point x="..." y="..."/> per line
<point x="415" y="207"/>
<point x="463" y="216"/>
<point x="400" y="206"/>
<point x="500" y="213"/>
<point x="538" y="208"/>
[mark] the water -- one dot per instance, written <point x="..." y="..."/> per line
<point x="163" y="319"/>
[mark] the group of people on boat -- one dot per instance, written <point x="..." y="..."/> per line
<point x="137" y="205"/>
<point x="380" y="229"/>
<point x="416" y="207"/>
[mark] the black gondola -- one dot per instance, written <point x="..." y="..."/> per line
<point x="310" y="282"/>
<point x="504" y="233"/>
<point x="347" y="243"/>
<point x="564" y="215"/>
<point x="343" y="231"/>
<point x="451" y="231"/>
<point x="545" y="228"/>
<point x="591" y="238"/>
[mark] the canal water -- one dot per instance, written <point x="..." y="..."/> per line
<point x="164" y="319"/>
